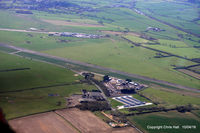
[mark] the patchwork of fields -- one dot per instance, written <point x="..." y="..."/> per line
<point x="65" y="121"/>
<point x="29" y="91"/>
<point x="154" y="39"/>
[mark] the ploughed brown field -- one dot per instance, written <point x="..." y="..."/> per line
<point x="42" y="123"/>
<point x="65" y="121"/>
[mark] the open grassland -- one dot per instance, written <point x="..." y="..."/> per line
<point x="37" y="41"/>
<point x="172" y="43"/>
<point x="121" y="56"/>
<point x="17" y="104"/>
<point x="184" y="52"/>
<point x="38" y="74"/>
<point x="40" y="88"/>
<point x="104" y="52"/>
<point x="136" y="39"/>
<point x="114" y="103"/>
<point x="169" y="98"/>
<point x="53" y="22"/>
<point x="171" y="118"/>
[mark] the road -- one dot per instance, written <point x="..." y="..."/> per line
<point x="29" y="31"/>
<point x="100" y="68"/>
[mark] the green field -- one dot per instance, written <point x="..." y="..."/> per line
<point x="176" y="13"/>
<point x="39" y="74"/>
<point x="138" y="60"/>
<point x="170" y="99"/>
<point x="166" y="120"/>
<point x="26" y="98"/>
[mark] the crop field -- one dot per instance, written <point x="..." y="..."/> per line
<point x="163" y="119"/>
<point x="86" y="121"/>
<point x="41" y="123"/>
<point x="38" y="88"/>
<point x="60" y="121"/>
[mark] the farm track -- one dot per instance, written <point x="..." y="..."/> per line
<point x="42" y="87"/>
<point x="100" y="68"/>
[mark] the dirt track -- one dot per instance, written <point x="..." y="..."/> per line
<point x="99" y="67"/>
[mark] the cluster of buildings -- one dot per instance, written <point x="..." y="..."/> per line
<point x="118" y="87"/>
<point x="154" y="29"/>
<point x="93" y="95"/>
<point x="129" y="102"/>
<point x="78" y="35"/>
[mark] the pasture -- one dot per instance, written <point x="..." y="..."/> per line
<point x="138" y="60"/>
<point x="163" y="119"/>
<point x="170" y="98"/>
<point x="177" y="13"/>
<point x="40" y="88"/>
<point x="105" y="53"/>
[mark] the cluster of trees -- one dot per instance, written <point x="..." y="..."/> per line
<point x="128" y="91"/>
<point x="43" y="5"/>
<point x="101" y="85"/>
<point x="94" y="106"/>
<point x="120" y="117"/>
<point x="144" y="110"/>
<point x="53" y="4"/>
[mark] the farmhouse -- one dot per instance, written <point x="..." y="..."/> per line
<point x="92" y="95"/>
<point x="154" y="29"/>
